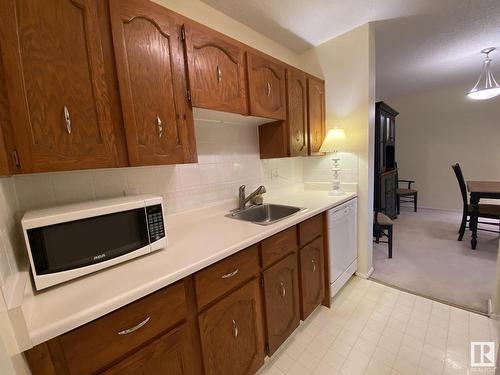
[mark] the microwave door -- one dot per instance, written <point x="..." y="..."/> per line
<point x="85" y="242"/>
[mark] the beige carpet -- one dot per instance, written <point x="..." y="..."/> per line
<point x="428" y="259"/>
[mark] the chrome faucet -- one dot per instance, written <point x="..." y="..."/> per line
<point x="254" y="198"/>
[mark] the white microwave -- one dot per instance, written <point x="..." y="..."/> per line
<point x="70" y="241"/>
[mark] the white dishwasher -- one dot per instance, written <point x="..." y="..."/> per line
<point x="342" y="244"/>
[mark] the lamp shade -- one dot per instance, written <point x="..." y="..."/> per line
<point x="334" y="138"/>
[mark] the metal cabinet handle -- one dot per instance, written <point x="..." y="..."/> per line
<point x="67" y="119"/>
<point x="133" y="329"/>
<point x="160" y="126"/>
<point x="268" y="88"/>
<point x="230" y="274"/>
<point x="283" y="290"/>
<point x="219" y="74"/>
<point x="235" y="329"/>
<point x="314" y="265"/>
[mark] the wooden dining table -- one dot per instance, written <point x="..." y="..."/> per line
<point x="478" y="190"/>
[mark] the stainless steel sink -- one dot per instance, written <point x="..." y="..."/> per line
<point x="264" y="214"/>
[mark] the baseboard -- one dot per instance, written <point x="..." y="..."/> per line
<point x="365" y="275"/>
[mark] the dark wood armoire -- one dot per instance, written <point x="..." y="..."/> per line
<point x="385" y="177"/>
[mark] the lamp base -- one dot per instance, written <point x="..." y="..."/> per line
<point x="336" y="193"/>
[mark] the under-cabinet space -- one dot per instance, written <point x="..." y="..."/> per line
<point x="266" y="87"/>
<point x="157" y="116"/>
<point x="216" y="68"/>
<point x="281" y="296"/>
<point x="231" y="333"/>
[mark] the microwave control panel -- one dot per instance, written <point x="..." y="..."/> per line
<point x="155" y="222"/>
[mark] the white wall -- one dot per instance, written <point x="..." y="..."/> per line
<point x="348" y="66"/>
<point x="437" y="129"/>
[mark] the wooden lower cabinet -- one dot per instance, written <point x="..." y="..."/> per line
<point x="281" y="296"/>
<point x="311" y="276"/>
<point x="231" y="333"/>
<point x="166" y="355"/>
<point x="216" y="318"/>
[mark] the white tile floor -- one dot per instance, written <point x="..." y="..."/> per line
<point x="375" y="329"/>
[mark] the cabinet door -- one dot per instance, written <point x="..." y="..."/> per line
<point x="166" y="355"/>
<point x="281" y="295"/>
<point x="5" y="122"/>
<point x="216" y="71"/>
<point x="297" y="112"/>
<point x="151" y="75"/>
<point x="316" y="114"/>
<point x="266" y="87"/>
<point x="55" y="76"/>
<point x="231" y="333"/>
<point x="311" y="276"/>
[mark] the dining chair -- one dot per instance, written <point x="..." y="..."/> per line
<point x="405" y="195"/>
<point x="486" y="211"/>
<point x="381" y="224"/>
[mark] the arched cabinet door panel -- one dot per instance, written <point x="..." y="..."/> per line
<point x="297" y="112"/>
<point x="281" y="296"/>
<point x="316" y="114"/>
<point x="216" y="70"/>
<point x="231" y="333"/>
<point x="266" y="87"/>
<point x="311" y="276"/>
<point x="151" y="75"/>
<point x="55" y="76"/>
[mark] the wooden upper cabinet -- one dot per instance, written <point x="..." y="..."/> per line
<point x="281" y="296"/>
<point x="311" y="276"/>
<point x="231" y="333"/>
<point x="151" y="74"/>
<point x="216" y="70"/>
<point x="266" y="87"/>
<point x="316" y="114"/>
<point x="56" y="83"/>
<point x="297" y="112"/>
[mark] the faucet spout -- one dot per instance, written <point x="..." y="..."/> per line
<point x="242" y="200"/>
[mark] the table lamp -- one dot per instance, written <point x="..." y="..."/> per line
<point x="334" y="138"/>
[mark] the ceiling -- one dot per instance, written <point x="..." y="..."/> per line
<point x="420" y="44"/>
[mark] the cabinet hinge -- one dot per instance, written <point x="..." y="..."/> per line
<point x="15" y="159"/>
<point x="188" y="94"/>
<point x="183" y="33"/>
<point x="286" y="75"/>
<point x="267" y="348"/>
<point x="261" y="281"/>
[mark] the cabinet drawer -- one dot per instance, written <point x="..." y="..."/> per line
<point x="310" y="229"/>
<point x="212" y="282"/>
<point x="103" y="341"/>
<point x="277" y="246"/>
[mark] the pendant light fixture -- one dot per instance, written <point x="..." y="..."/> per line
<point x="486" y="86"/>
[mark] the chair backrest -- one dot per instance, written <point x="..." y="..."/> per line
<point x="461" y="183"/>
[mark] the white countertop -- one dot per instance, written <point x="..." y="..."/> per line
<point x="196" y="239"/>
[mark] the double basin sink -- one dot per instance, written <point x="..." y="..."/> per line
<point x="264" y="214"/>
